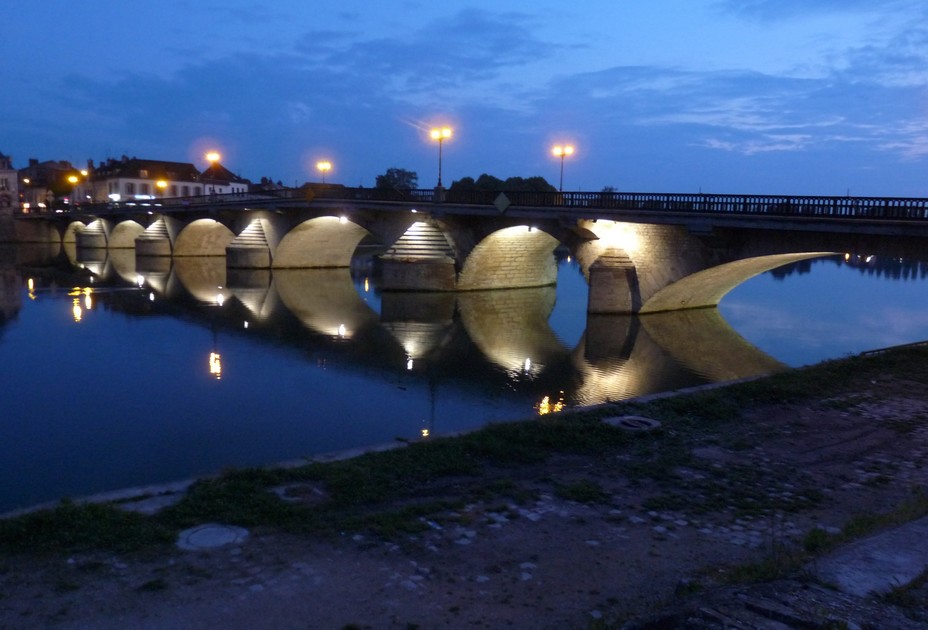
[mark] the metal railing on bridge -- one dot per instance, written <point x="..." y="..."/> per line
<point x="879" y="208"/>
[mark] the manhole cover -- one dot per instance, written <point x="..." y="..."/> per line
<point x="633" y="423"/>
<point x="210" y="536"/>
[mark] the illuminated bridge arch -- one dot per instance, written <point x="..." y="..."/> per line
<point x="321" y="242"/>
<point x="203" y="237"/>
<point x="707" y="287"/>
<point x="124" y="234"/>
<point x="519" y="256"/>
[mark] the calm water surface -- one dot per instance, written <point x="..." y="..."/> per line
<point x="127" y="376"/>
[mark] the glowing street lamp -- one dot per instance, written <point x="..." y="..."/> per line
<point x="212" y="157"/>
<point x="324" y="167"/>
<point x="162" y="186"/>
<point x="562" y="151"/>
<point x="440" y="134"/>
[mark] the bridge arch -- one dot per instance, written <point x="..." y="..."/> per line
<point x="518" y="256"/>
<point x="69" y="236"/>
<point x="707" y="287"/>
<point x="321" y="242"/>
<point x="203" y="237"/>
<point x="124" y="234"/>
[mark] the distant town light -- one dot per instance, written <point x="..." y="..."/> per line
<point x="213" y="157"/>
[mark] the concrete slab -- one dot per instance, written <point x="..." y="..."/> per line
<point x="879" y="563"/>
<point x="210" y="536"/>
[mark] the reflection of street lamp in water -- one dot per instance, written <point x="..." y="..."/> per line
<point x="215" y="365"/>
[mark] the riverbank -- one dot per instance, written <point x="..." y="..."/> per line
<point x="722" y="507"/>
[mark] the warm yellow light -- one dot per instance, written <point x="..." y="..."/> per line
<point x="442" y="133"/>
<point x="425" y="433"/>
<point x="161" y="184"/>
<point x="84" y="172"/>
<point x="546" y="406"/>
<point x="562" y="150"/>
<point x="324" y="166"/>
<point x="76" y="311"/>
<point x="72" y="179"/>
<point x="215" y="365"/>
<point x="26" y="180"/>
<point x="212" y="156"/>
<point x="30" y="284"/>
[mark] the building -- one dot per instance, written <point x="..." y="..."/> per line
<point x="134" y="178"/>
<point x="218" y="180"/>
<point x="9" y="186"/>
<point x="51" y="185"/>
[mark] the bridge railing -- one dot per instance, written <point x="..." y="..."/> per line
<point x="881" y="208"/>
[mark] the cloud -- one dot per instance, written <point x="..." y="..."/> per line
<point x="772" y="10"/>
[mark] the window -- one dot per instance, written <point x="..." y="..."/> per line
<point x="143" y="188"/>
<point x="185" y="191"/>
<point x="130" y="188"/>
<point x="198" y="190"/>
<point x="173" y="190"/>
<point x="143" y="172"/>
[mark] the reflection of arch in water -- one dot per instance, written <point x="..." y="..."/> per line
<point x="511" y="327"/>
<point x="422" y="322"/>
<point x="122" y="262"/>
<point x="623" y="356"/>
<point x="705" y="343"/>
<point x="253" y="288"/>
<point x="324" y="300"/>
<point x="709" y="286"/>
<point x="203" y="277"/>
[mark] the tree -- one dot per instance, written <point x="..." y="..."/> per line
<point x="398" y="178"/>
<point x="512" y="184"/>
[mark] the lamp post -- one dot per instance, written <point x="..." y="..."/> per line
<point x="324" y="167"/>
<point x="212" y="157"/>
<point x="440" y="134"/>
<point x="162" y="186"/>
<point x="562" y="151"/>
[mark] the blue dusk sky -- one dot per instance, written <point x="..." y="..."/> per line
<point x="737" y="96"/>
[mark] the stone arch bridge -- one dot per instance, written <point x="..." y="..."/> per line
<point x="640" y="253"/>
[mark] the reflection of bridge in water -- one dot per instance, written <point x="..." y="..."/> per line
<point x="484" y="340"/>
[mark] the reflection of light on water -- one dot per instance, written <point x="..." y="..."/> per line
<point x="409" y="363"/>
<point x="546" y="406"/>
<point x="76" y="311"/>
<point x="215" y="365"/>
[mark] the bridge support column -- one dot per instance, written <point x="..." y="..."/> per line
<point x="423" y="274"/>
<point x="153" y="246"/>
<point x="240" y="256"/>
<point x="614" y="285"/>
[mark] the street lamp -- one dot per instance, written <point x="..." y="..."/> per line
<point x="324" y="167"/>
<point x="441" y="135"/>
<point x="212" y="157"/>
<point x="162" y="186"/>
<point x="562" y="151"/>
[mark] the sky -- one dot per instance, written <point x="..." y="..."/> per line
<point x="805" y="97"/>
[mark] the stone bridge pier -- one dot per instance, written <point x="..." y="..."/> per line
<point x="636" y="268"/>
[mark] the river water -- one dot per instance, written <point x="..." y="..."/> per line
<point x="115" y="374"/>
